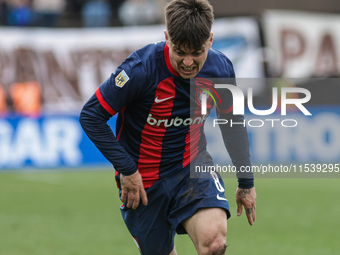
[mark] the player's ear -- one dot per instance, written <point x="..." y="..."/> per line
<point x="166" y="37"/>
<point x="211" y="39"/>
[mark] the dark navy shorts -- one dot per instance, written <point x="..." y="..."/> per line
<point x="170" y="201"/>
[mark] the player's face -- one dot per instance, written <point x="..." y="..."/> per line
<point x="188" y="62"/>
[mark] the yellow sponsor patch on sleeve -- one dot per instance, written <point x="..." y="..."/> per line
<point x="121" y="79"/>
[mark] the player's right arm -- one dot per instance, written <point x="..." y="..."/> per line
<point x="109" y="99"/>
<point x="132" y="185"/>
<point x="93" y="119"/>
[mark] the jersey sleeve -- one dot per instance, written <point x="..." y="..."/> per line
<point x="235" y="137"/>
<point x="124" y="86"/>
<point x="93" y="119"/>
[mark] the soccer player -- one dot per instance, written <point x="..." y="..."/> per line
<point x="159" y="137"/>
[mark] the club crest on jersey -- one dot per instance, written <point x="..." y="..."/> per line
<point x="121" y="79"/>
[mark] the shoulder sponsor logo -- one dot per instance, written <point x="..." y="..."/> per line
<point x="221" y="198"/>
<point x="162" y="100"/>
<point x="121" y="79"/>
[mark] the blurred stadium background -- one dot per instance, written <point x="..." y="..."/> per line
<point x="57" y="192"/>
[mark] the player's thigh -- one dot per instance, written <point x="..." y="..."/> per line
<point x="207" y="225"/>
<point x="149" y="225"/>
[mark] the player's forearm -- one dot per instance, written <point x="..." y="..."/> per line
<point x="94" y="122"/>
<point x="236" y="141"/>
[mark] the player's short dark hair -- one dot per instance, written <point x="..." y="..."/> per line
<point x="189" y="22"/>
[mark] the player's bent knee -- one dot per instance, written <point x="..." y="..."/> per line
<point x="219" y="251"/>
<point x="215" y="246"/>
<point x="218" y="248"/>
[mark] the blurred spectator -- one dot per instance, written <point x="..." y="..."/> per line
<point x="26" y="95"/>
<point x="96" y="13"/>
<point x="72" y="14"/>
<point x="3" y="101"/>
<point x="20" y="13"/>
<point x="139" y="12"/>
<point x="115" y="4"/>
<point x="3" y="12"/>
<point x="48" y="12"/>
<point x="74" y="6"/>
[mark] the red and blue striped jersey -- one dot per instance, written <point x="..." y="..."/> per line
<point x="159" y="127"/>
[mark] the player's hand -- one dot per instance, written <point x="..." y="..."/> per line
<point x="132" y="188"/>
<point x="246" y="198"/>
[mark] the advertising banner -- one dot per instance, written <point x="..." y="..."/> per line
<point x="302" y="44"/>
<point x="67" y="65"/>
<point x="59" y="141"/>
<point x="51" y="141"/>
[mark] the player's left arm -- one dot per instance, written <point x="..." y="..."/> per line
<point x="236" y="140"/>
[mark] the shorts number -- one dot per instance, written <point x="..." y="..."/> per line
<point x="217" y="182"/>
